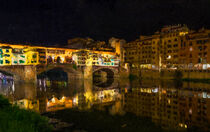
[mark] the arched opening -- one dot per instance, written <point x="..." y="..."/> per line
<point x="103" y="77"/>
<point x="5" y="77"/>
<point x="54" y="77"/>
<point x="49" y="60"/>
<point x="6" y="83"/>
<point x="58" y="60"/>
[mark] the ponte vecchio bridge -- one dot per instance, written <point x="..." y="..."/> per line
<point x="25" y="62"/>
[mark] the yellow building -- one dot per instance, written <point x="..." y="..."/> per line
<point x="6" y="55"/>
<point x="194" y="50"/>
<point x="160" y="50"/>
<point x="131" y="53"/>
<point x="96" y="58"/>
<point x="170" y="45"/>
<point x="28" y="104"/>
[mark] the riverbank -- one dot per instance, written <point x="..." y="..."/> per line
<point x="197" y="80"/>
<point x="101" y="121"/>
<point x="164" y="74"/>
<point x="14" y="119"/>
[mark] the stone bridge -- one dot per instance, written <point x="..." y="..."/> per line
<point x="68" y="68"/>
<point x="21" y="73"/>
<point x="28" y="73"/>
<point x="90" y="70"/>
<point x="107" y="69"/>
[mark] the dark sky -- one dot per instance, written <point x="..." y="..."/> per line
<point x="55" y="21"/>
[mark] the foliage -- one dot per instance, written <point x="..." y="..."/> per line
<point x="14" y="119"/>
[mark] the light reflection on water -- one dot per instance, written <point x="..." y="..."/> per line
<point x="167" y="103"/>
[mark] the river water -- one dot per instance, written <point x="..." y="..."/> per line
<point x="169" y="104"/>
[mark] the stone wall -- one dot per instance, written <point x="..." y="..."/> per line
<point x="172" y="74"/>
<point x="21" y="73"/>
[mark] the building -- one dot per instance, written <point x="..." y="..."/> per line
<point x="131" y="53"/>
<point x="18" y="56"/>
<point x="194" y="50"/>
<point x="36" y="55"/>
<point x="95" y="58"/>
<point x="172" y="48"/>
<point x="146" y="52"/>
<point x="170" y="38"/>
<point x="89" y="44"/>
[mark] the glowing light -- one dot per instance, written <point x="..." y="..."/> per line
<point x="53" y="100"/>
<point x="62" y="59"/>
<point x="191" y="49"/>
<point x="48" y="103"/>
<point x="164" y="91"/>
<point x="169" y="101"/>
<point x="169" y="57"/>
<point x="155" y="90"/>
<point x="183" y="33"/>
<point x="63" y="99"/>
<point x="190" y="111"/>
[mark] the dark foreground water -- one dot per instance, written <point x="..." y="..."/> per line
<point x="171" y="105"/>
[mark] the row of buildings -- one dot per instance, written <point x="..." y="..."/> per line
<point x="173" y="47"/>
<point x="35" y="55"/>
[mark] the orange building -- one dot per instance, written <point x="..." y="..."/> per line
<point x="194" y="50"/>
<point x="173" y="47"/>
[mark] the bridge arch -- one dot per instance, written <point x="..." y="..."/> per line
<point x="104" y="76"/>
<point x="68" y="69"/>
<point x="54" y="74"/>
<point x="111" y="71"/>
<point x="6" y="75"/>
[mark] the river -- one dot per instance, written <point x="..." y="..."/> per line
<point x="169" y="104"/>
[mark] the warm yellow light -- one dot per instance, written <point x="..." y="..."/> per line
<point x="63" y="99"/>
<point x="169" y="57"/>
<point x="164" y="91"/>
<point x="183" y="33"/>
<point x="53" y="100"/>
<point x="48" y="103"/>
<point x="169" y="101"/>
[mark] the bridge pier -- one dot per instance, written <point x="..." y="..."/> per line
<point x="21" y="73"/>
<point x="88" y="72"/>
<point x="30" y="74"/>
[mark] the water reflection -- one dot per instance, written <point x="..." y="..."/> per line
<point x="184" y="107"/>
<point x="172" y="105"/>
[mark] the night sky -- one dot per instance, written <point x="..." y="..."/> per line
<point x="55" y="21"/>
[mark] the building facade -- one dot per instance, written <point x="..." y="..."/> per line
<point x="174" y="47"/>
<point x="36" y="55"/>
